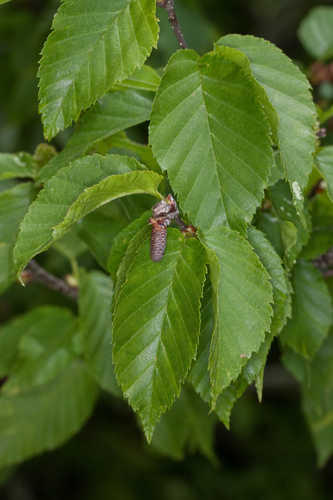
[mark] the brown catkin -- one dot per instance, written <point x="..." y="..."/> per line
<point x="158" y="240"/>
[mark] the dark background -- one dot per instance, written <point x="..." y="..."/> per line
<point x="268" y="453"/>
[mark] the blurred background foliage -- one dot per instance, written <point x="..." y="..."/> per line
<point x="268" y="453"/>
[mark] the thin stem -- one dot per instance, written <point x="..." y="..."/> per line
<point x="169" y="6"/>
<point x="35" y="273"/>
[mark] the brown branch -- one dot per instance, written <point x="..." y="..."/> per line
<point x="316" y="189"/>
<point x="35" y="273"/>
<point x="169" y="6"/>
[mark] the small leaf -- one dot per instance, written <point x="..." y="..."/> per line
<point x="254" y="369"/>
<point x="13" y="205"/>
<point x="74" y="192"/>
<point x="242" y="295"/>
<point x="35" y="415"/>
<point x="324" y="160"/>
<point x="19" y="165"/>
<point x="287" y="89"/>
<point x="187" y="425"/>
<point x="140" y="151"/>
<point x="294" y="232"/>
<point x="145" y="78"/>
<point x="312" y="311"/>
<point x="116" y="111"/>
<point x="90" y="48"/>
<point x="209" y="132"/>
<point x="315" y="32"/>
<point x="95" y="297"/>
<point x="153" y="356"/>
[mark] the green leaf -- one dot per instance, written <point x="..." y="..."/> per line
<point x="152" y="356"/>
<point x="324" y="160"/>
<point x="35" y="415"/>
<point x="145" y="78"/>
<point x="91" y="47"/>
<point x="4" y="1"/>
<point x="122" y="241"/>
<point x="116" y="111"/>
<point x="95" y="297"/>
<point x="278" y="277"/>
<point x="242" y="298"/>
<point x="13" y="205"/>
<point x="13" y="166"/>
<point x="133" y="246"/>
<point x="74" y="192"/>
<point x="315" y="32"/>
<point x="100" y="228"/>
<point x="254" y="367"/>
<point x="98" y="231"/>
<point x="317" y="395"/>
<point x="121" y="141"/>
<point x="321" y="238"/>
<point x="209" y="132"/>
<point x="325" y="115"/>
<point x="294" y="231"/>
<point x="70" y="245"/>
<point x="289" y="93"/>
<point x="312" y="311"/>
<point x="187" y="425"/>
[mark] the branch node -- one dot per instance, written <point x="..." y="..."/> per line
<point x="169" y="6"/>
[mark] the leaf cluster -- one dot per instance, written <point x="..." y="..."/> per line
<point x="233" y="135"/>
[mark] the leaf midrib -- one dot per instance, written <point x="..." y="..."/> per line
<point x="114" y="20"/>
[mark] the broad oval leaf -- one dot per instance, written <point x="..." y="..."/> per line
<point x="92" y="46"/>
<point x="209" y="132"/>
<point x="324" y="160"/>
<point x="152" y="356"/>
<point x="288" y="91"/>
<point x="116" y="111"/>
<point x="254" y="367"/>
<point x="35" y="415"/>
<point x="74" y="192"/>
<point x="315" y="32"/>
<point x="95" y="321"/>
<point x="242" y="297"/>
<point x="312" y="311"/>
